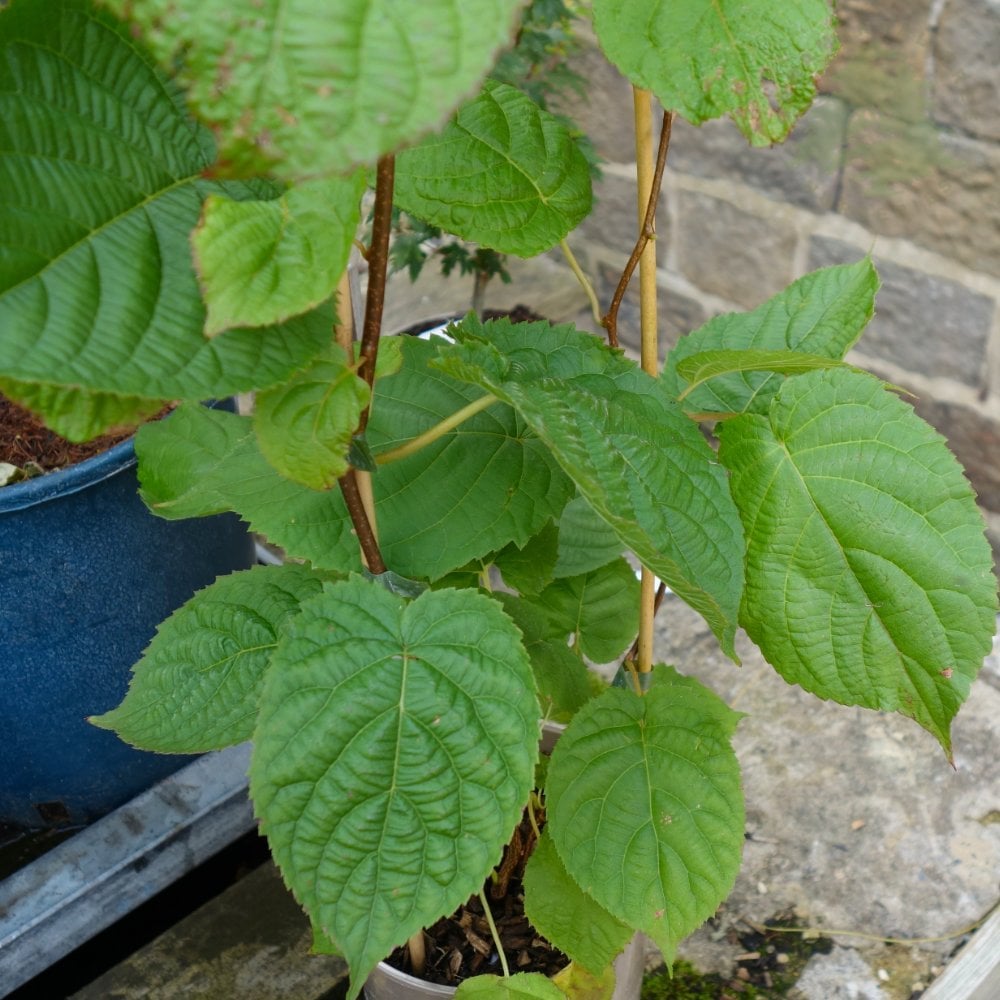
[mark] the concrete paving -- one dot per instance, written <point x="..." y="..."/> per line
<point x="854" y="819"/>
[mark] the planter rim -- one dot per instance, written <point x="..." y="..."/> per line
<point x="72" y="479"/>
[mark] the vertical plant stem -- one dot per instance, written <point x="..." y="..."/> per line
<point x="646" y="232"/>
<point x="495" y="933"/>
<point x="344" y="330"/>
<point x="418" y="953"/>
<point x="344" y="334"/>
<point x="378" y="264"/>
<point x="359" y="519"/>
<point x="645" y="171"/>
<point x="532" y="799"/>
<point x="362" y="514"/>
<point x="642" y="102"/>
<point x="367" y="494"/>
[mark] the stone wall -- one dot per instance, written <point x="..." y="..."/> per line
<point x="900" y="157"/>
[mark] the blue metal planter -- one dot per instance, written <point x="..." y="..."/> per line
<point x="86" y="575"/>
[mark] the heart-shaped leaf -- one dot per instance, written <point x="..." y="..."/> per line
<point x="393" y="757"/>
<point x="503" y="173"/>
<point x="868" y="574"/>
<point x="644" y="805"/>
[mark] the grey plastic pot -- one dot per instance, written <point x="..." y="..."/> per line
<point x="387" y="983"/>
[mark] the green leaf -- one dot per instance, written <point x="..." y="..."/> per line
<point x="76" y="414"/>
<point x="529" y="568"/>
<point x="304" y="427"/>
<point x="709" y="58"/>
<point x="868" y="574"/>
<point x="644" y="805"/>
<point x="312" y="90"/>
<point x="263" y="262"/>
<point x="197" y="686"/>
<point x="102" y="174"/>
<point x="504" y="173"/>
<point x="706" y="365"/>
<point x="390" y="356"/>
<point x="520" y="986"/>
<point x="821" y="314"/>
<point x="393" y="757"/>
<point x="561" y="676"/>
<point x="599" y="609"/>
<point x="586" y="540"/>
<point x="567" y="917"/>
<point x="639" y="461"/>
<point x="487" y="483"/>
<point x="199" y="462"/>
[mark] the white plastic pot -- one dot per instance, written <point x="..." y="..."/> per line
<point x="387" y="983"/>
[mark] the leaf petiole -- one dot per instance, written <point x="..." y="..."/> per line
<point x="496" y="934"/>
<point x="432" y="434"/>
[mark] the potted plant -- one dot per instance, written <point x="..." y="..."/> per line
<point x="393" y="693"/>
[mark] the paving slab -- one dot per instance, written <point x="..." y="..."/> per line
<point x="250" y="942"/>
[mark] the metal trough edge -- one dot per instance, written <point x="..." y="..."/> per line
<point x="84" y="885"/>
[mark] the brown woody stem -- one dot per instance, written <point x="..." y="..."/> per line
<point x="378" y="265"/>
<point x="362" y="526"/>
<point x="647" y="231"/>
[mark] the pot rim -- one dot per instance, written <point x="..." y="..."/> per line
<point x="422" y="986"/>
<point x="82" y="475"/>
<point x="69" y="480"/>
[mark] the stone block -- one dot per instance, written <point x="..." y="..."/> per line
<point x="614" y="222"/>
<point x="966" y="84"/>
<point x="923" y="323"/>
<point x="605" y="111"/>
<point x="729" y="252"/>
<point x="892" y="23"/>
<point x="975" y="439"/>
<point x="803" y="170"/>
<point x="938" y="190"/>
<point x="883" y="55"/>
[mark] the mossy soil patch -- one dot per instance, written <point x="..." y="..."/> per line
<point x="769" y="965"/>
